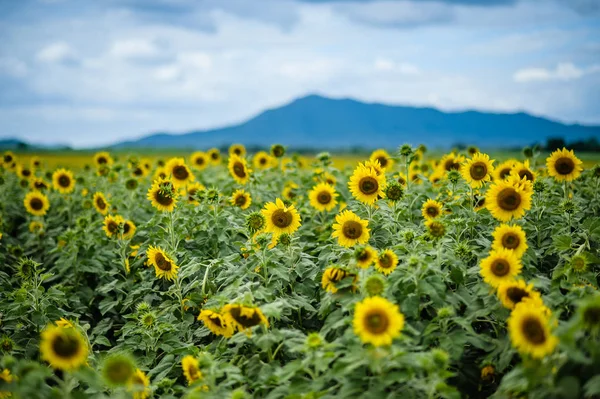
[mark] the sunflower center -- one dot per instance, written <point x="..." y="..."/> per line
<point x="509" y="199"/>
<point x="243" y="319"/>
<point x="564" y="165"/>
<point x="516" y="294"/>
<point x="240" y="200"/>
<point x="26" y="172"/>
<point x="262" y="161"/>
<point x="200" y="161"/>
<point x="526" y="174"/>
<point x="324" y="197"/>
<point x="138" y="171"/>
<point x="65" y="346"/>
<point x="382" y="161"/>
<point x="478" y="201"/>
<point x="112" y="226"/>
<point x="510" y="241"/>
<point x="162" y="198"/>
<point x="216" y="319"/>
<point x="579" y="264"/>
<point x="100" y="203"/>
<point x="36" y="204"/>
<point x="368" y="185"/>
<point x="192" y="194"/>
<point x="432" y="211"/>
<point x="504" y="173"/>
<point x="352" y="229"/>
<point x="363" y="256"/>
<point x="533" y="330"/>
<point x="126" y="228"/>
<point x="237" y="151"/>
<point x="385" y="261"/>
<point x="478" y="170"/>
<point x="102" y="160"/>
<point x="180" y="172"/>
<point x="162" y="263"/>
<point x="64" y="181"/>
<point x="591" y="316"/>
<point x="281" y="218"/>
<point x="239" y="170"/>
<point x="8" y="158"/>
<point x="376" y="322"/>
<point x="214" y="156"/>
<point x="39" y="184"/>
<point x="500" y="267"/>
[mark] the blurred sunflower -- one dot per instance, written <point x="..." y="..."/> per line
<point x="24" y="172"/>
<point x="100" y="203"/>
<point x="191" y="369"/>
<point x="162" y="195"/>
<point x="477" y="170"/>
<point x="237" y="149"/>
<point x="384" y="159"/>
<point x="191" y="192"/>
<point x="240" y="198"/>
<point x="37" y="183"/>
<point x="333" y="275"/>
<point x="451" y="161"/>
<point x="511" y="237"/>
<point x="103" y="159"/>
<point x="36" y="227"/>
<point x="243" y="318"/>
<point x="563" y="165"/>
<point x="63" y="348"/>
<point x="365" y="256"/>
<point x="180" y="174"/>
<point x="366" y="185"/>
<point x="36" y="203"/>
<point x="199" y="160"/>
<point x="386" y="262"/>
<point x="290" y="191"/>
<point x="262" y="160"/>
<point x="164" y="266"/>
<point x="139" y="385"/>
<point x="375" y="165"/>
<point x="6" y="378"/>
<point x="500" y="266"/>
<point x="512" y="292"/>
<point x="280" y="218"/>
<point x="508" y="199"/>
<point x="238" y="169"/>
<point x="377" y="321"/>
<point x="214" y="156"/>
<point x="35" y="162"/>
<point x="350" y="229"/>
<point x="216" y="323"/>
<point x="503" y="170"/>
<point x="112" y="225"/>
<point x="128" y="230"/>
<point x="118" y="369"/>
<point x="522" y="170"/>
<point x="323" y="197"/>
<point x="62" y="181"/>
<point x="431" y="209"/>
<point x="529" y="330"/>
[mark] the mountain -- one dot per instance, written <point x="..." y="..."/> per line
<point x="320" y="122"/>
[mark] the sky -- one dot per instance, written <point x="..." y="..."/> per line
<point x="94" y="72"/>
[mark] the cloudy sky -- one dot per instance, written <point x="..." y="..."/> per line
<point x="93" y="72"/>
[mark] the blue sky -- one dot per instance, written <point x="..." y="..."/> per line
<point x="90" y="73"/>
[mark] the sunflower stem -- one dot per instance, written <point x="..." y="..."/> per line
<point x="205" y="279"/>
<point x="172" y="230"/>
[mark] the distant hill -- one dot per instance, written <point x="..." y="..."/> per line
<point x="20" y="145"/>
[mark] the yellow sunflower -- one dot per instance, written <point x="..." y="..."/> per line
<point x="100" y="203"/>
<point x="199" y="160"/>
<point x="522" y="170"/>
<point x="333" y="275"/>
<point x="509" y="199"/>
<point x="513" y="292"/>
<point x="377" y="321"/>
<point x="181" y="175"/>
<point x="103" y="159"/>
<point x="238" y="169"/>
<point x="191" y="190"/>
<point x="365" y="256"/>
<point x="243" y="318"/>
<point x="63" y="348"/>
<point x="237" y="149"/>
<point x="162" y="195"/>
<point x="280" y="218"/>
<point x="216" y="323"/>
<point x="112" y="225"/>
<point x="350" y="229"/>
<point x="375" y="165"/>
<point x="164" y="266"/>
<point x="191" y="369"/>
<point x="8" y="158"/>
<point x="477" y="170"/>
<point x="384" y="159"/>
<point x="241" y="198"/>
<point x="451" y="161"/>
<point x="63" y="182"/>
<point x="500" y="266"/>
<point x="511" y="238"/>
<point x="323" y="197"/>
<point x="386" y="262"/>
<point x="214" y="156"/>
<point x="431" y="209"/>
<point x="6" y="378"/>
<point x="36" y="227"/>
<point x="37" y="183"/>
<point x="262" y="160"/>
<point x="35" y="162"/>
<point x="366" y="185"/>
<point x="139" y="385"/>
<point x="24" y="172"/>
<point x="503" y="170"/>
<point x="530" y="332"/>
<point x="290" y="191"/>
<point x="36" y="203"/>
<point x="128" y="230"/>
<point x="563" y="165"/>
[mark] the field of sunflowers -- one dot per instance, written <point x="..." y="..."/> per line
<point x="269" y="275"/>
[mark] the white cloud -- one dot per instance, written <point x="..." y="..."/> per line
<point x="404" y="68"/>
<point x="13" y="67"/>
<point x="134" y="48"/>
<point x="56" y="53"/>
<point x="565" y="71"/>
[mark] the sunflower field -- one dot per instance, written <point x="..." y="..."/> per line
<point x="268" y="275"/>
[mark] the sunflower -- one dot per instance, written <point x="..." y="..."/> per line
<point x="365" y="256"/>
<point x="323" y="197"/>
<point x="36" y="203"/>
<point x="24" y="172"/>
<point x="191" y="192"/>
<point x="522" y="170"/>
<point x="477" y="170"/>
<point x="63" y="348"/>
<point x="563" y="165"/>
<point x="139" y="384"/>
<point x="181" y="175"/>
<point x="333" y="275"/>
<point x="37" y="183"/>
<point x="509" y="199"/>
<point x="191" y="369"/>
<point x="290" y="191"/>
<point x="431" y="209"/>
<point x="36" y="227"/>
<point x="118" y="369"/>
<point x="6" y="378"/>
<point x="243" y="318"/>
<point x="128" y="230"/>
<point x="511" y="238"/>
<point x="503" y="170"/>
<point x="383" y="158"/>
<point x="216" y="323"/>
<point x="262" y="160"/>
<point x="199" y="160"/>
<point x="529" y="329"/>
<point x="513" y="292"/>
<point x="375" y="165"/>
<point x="162" y="195"/>
<point x="100" y="203"/>
<point x="280" y="218"/>
<point x="241" y="198"/>
<point x="214" y="156"/>
<point x="451" y="161"/>
<point x="366" y="185"/>
<point x="112" y="225"/>
<point x="64" y="323"/>
<point x="350" y="229"/>
<point x="164" y="266"/>
<point x="238" y="169"/>
<point x="386" y="262"/>
<point x="62" y="181"/>
<point x="103" y="159"/>
<point x="237" y="149"/>
<point x="377" y="321"/>
<point x="500" y="266"/>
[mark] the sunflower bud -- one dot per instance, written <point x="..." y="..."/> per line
<point x="131" y="184"/>
<point x="472" y="150"/>
<point x="255" y="222"/>
<point x="375" y="285"/>
<point x="324" y="157"/>
<point x="277" y="150"/>
<point x="117" y="369"/>
<point x="6" y="344"/>
<point x="394" y="192"/>
<point x="406" y="150"/>
<point x="539" y="186"/>
<point x="284" y="240"/>
<point x="528" y="152"/>
<point x="409" y="236"/>
<point x="314" y="340"/>
<point x="453" y="176"/>
<point x="569" y="207"/>
<point x="440" y="357"/>
<point x="445" y="312"/>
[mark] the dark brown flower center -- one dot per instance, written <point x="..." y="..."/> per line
<point x="509" y="199"/>
<point x="102" y="160"/>
<point x="65" y="346"/>
<point x="352" y="229"/>
<point x="451" y="164"/>
<point x="100" y="203"/>
<point x="376" y="321"/>
<point x="533" y="330"/>
<point x="591" y="316"/>
<point x="504" y="172"/>
<point x="214" y="155"/>
<point x="385" y="261"/>
<point x="39" y="185"/>
<point x="478" y="171"/>
<point x="516" y="294"/>
<point x="25" y="173"/>
<point x="200" y="161"/>
<point x="216" y="319"/>
<point x="240" y="200"/>
<point x="112" y="227"/>
<point x="432" y="211"/>
<point x="162" y="198"/>
<point x="324" y="197"/>
<point x="510" y="241"/>
<point x="262" y="160"/>
<point x="526" y="173"/>
<point x="138" y="171"/>
<point x="36" y="204"/>
<point x="8" y="158"/>
<point x="363" y="256"/>
<point x="239" y="170"/>
<point x="127" y="228"/>
<point x="64" y="181"/>
<point x="162" y="263"/>
<point x="281" y="218"/>
<point x="500" y="267"/>
<point x="436" y="229"/>
<point x="382" y="161"/>
<point x="237" y="151"/>
<point x="368" y="185"/>
<point x="564" y="165"/>
<point x="180" y="172"/>
<point x="244" y="320"/>
<point x="192" y="194"/>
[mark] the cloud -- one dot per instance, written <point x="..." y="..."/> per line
<point x="403" y="68"/>
<point x="482" y="3"/>
<point x="565" y="71"/>
<point x="397" y="14"/>
<point x="57" y="53"/>
<point x="13" y="67"/>
<point x="134" y="48"/>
